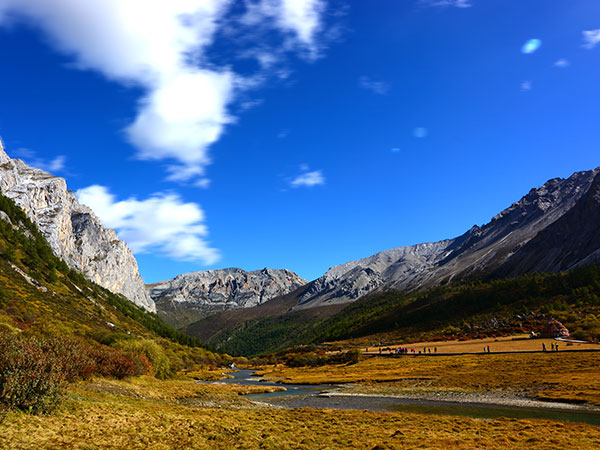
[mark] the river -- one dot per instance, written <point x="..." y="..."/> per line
<point x="332" y="396"/>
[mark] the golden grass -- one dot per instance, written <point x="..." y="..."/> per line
<point x="500" y="344"/>
<point x="206" y="374"/>
<point x="150" y="414"/>
<point x="562" y="375"/>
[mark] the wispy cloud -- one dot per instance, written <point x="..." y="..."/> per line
<point x="526" y="86"/>
<point x="53" y="166"/>
<point x="308" y="178"/>
<point x="531" y="46"/>
<point x="420" y="132"/>
<point x="283" y="134"/>
<point x="161" y="46"/>
<point x="455" y="3"/>
<point x="377" y="87"/>
<point x="562" y="62"/>
<point x="301" y="19"/>
<point x="162" y="223"/>
<point x="591" y="38"/>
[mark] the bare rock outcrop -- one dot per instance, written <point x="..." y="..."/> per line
<point x="73" y="231"/>
<point x="193" y="295"/>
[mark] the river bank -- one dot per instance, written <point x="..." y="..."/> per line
<point x="142" y="414"/>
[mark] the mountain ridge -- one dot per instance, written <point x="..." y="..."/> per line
<point x="479" y="251"/>
<point x="72" y="230"/>
<point x="190" y="296"/>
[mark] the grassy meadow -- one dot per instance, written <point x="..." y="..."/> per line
<point x="145" y="413"/>
<point x="567" y="376"/>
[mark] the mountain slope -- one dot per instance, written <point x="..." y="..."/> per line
<point x="73" y="231"/>
<point x="463" y="310"/>
<point x="571" y="241"/>
<point x="191" y="296"/>
<point x="478" y="252"/>
<point x="40" y="294"/>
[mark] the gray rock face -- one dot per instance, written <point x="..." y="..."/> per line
<point x="571" y="241"/>
<point x="216" y="290"/>
<point x="73" y="231"/>
<point x="561" y="219"/>
<point x="350" y="281"/>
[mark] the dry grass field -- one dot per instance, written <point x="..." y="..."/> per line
<point x="150" y="414"/>
<point x="553" y="375"/>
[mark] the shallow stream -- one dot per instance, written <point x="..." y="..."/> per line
<point x="317" y="396"/>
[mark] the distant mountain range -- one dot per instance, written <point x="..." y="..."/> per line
<point x="191" y="296"/>
<point x="553" y="228"/>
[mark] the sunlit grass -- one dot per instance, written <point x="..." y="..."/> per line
<point x="150" y="414"/>
<point x="574" y="376"/>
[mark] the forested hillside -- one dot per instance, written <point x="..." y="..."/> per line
<point x="467" y="309"/>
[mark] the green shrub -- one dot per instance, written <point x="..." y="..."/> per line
<point x="155" y="354"/>
<point x="315" y="359"/>
<point x="581" y="335"/>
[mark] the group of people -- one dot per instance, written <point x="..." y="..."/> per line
<point x="553" y="345"/>
<point x="406" y="350"/>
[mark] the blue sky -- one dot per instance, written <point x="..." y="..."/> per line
<point x="298" y="134"/>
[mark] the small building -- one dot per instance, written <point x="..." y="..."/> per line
<point x="553" y="329"/>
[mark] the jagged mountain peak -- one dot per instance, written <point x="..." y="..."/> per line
<point x="193" y="295"/>
<point x="479" y="251"/>
<point x="72" y="230"/>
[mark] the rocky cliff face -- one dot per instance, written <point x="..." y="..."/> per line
<point x="73" y="231"/>
<point x="194" y="295"/>
<point x="572" y="240"/>
<point x="554" y="227"/>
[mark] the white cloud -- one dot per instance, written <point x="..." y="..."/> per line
<point x="531" y="46"/>
<point x="377" y="87"/>
<point x="562" y="63"/>
<point x="526" y="86"/>
<point x="591" y="38"/>
<point x="301" y="18"/>
<point x="308" y="178"/>
<point x="160" y="46"/>
<point x="162" y="222"/>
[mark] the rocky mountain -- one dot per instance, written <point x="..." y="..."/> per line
<point x="571" y="241"/>
<point x="73" y="231"/>
<point x="552" y="228"/>
<point x="191" y="296"/>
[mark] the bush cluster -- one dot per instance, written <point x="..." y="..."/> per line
<point x="33" y="370"/>
<point x="310" y="355"/>
<point x="314" y="359"/>
<point x="159" y="364"/>
<point x="30" y="379"/>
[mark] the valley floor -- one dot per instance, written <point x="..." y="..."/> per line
<point x="144" y="413"/>
<point x="570" y="377"/>
<point x="149" y="414"/>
